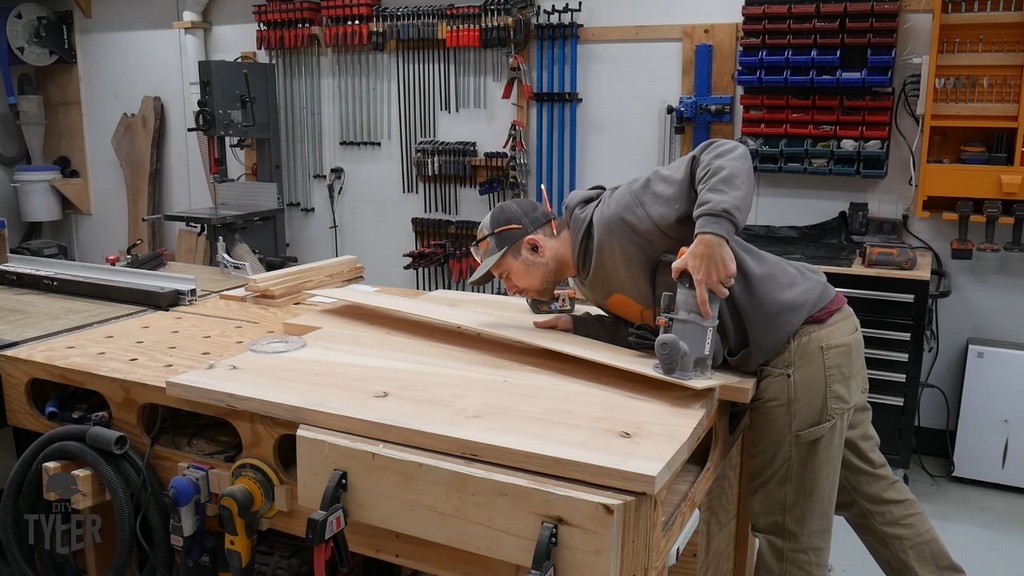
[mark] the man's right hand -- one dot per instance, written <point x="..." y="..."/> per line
<point x="561" y="322"/>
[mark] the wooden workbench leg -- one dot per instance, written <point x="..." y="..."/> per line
<point x="745" y="543"/>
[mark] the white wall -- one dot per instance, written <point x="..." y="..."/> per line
<point x="129" y="50"/>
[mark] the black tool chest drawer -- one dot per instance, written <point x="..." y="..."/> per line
<point x="892" y="313"/>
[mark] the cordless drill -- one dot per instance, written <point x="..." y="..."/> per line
<point x="992" y="209"/>
<point x="961" y="247"/>
<point x="1015" y="245"/>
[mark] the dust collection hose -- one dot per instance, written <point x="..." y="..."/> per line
<point x="135" y="490"/>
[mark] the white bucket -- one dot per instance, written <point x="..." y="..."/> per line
<point x="39" y="202"/>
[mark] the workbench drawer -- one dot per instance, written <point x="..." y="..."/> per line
<point x="891" y="305"/>
<point x="893" y="341"/>
<point x="485" y="510"/>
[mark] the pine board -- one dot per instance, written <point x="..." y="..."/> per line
<point x="416" y="384"/>
<point x="136" y="143"/>
<point x="509" y="320"/>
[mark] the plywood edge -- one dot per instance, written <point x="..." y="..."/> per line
<point x="191" y="25"/>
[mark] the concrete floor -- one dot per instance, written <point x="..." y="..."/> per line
<point x="982" y="525"/>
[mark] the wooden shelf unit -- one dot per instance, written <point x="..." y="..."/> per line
<point x="972" y="111"/>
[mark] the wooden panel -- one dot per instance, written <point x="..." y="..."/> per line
<point x="27" y="315"/>
<point x="61" y="89"/>
<point x="479" y="508"/>
<point x="518" y="327"/>
<point x="246" y="312"/>
<point x="646" y="33"/>
<point x="136" y="142"/>
<point x="208" y="278"/>
<point x="148" y="349"/>
<point x="405" y="382"/>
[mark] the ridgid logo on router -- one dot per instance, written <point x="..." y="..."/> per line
<point x="63" y="530"/>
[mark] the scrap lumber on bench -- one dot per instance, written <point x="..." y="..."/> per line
<point x="288" y="285"/>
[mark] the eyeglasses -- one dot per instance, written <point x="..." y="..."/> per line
<point x="479" y="246"/>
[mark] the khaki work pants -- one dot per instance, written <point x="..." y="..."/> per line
<point x="814" y="454"/>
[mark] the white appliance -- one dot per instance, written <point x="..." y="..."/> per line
<point x="990" y="431"/>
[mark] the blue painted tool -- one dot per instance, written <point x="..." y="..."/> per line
<point x="539" y="67"/>
<point x="703" y="108"/>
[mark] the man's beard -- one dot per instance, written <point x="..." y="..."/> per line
<point x="549" y="279"/>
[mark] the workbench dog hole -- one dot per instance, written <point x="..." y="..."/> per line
<point x="192" y="433"/>
<point x="67" y="404"/>
<point x="286" y="455"/>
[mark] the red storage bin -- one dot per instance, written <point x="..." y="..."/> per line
<point x="801" y="101"/>
<point x="752" y="11"/>
<point x="776" y="41"/>
<point x="822" y="101"/>
<point x="753" y="41"/>
<point x="801" y="24"/>
<point x="802" y="41"/>
<point x="876" y="132"/>
<point x="886" y="8"/>
<point x="849" y="131"/>
<point x="832" y="9"/>
<point x="804" y="9"/>
<point x="830" y="39"/>
<point x="885" y="24"/>
<point x="882" y="38"/>
<point x="822" y="131"/>
<point x="773" y="129"/>
<point x="857" y="39"/>
<point x="753" y="27"/>
<point x="776" y="115"/>
<point x="879" y="101"/>
<point x="753" y="129"/>
<point x="855" y="8"/>
<point x="798" y="129"/>
<point x="826" y="24"/>
<point x="775" y="26"/>
<point x="850" y="116"/>
<point x="798" y="116"/>
<point x="753" y="114"/>
<point x="826" y="116"/>
<point x="751" y="100"/>
<point x="878" y="117"/>
<point x="776" y="10"/>
<point x="776" y="100"/>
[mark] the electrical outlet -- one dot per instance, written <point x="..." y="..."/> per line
<point x="926" y="85"/>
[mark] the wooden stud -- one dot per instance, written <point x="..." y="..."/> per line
<point x="85" y="6"/>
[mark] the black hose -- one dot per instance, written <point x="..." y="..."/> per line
<point x="130" y="481"/>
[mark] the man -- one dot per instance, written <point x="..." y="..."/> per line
<point x="813" y="451"/>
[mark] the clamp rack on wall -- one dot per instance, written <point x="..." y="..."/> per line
<point x="817" y="79"/>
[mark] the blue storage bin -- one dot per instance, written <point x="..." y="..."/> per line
<point x="775" y="57"/>
<point x="819" y="147"/>
<point x="750" y="57"/>
<point x="874" y="168"/>
<point x="770" y="148"/>
<point x="880" y="154"/>
<point x="748" y="77"/>
<point x="827" y="57"/>
<point x="828" y="77"/>
<point x="881" y="57"/>
<point x="818" y="166"/>
<point x="840" y="153"/>
<point x="802" y="57"/>
<point x="793" y="166"/>
<point x="878" y="77"/>
<point x="844" y="167"/>
<point x="769" y="165"/>
<point x="794" y="149"/>
<point x="801" y="76"/>
<point x="849" y="77"/>
<point x="774" y="76"/>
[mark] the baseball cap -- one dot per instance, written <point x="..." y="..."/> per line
<point x="507" y="224"/>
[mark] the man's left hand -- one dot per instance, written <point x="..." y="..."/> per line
<point x="710" y="262"/>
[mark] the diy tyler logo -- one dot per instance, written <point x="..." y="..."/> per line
<point x="63" y="530"/>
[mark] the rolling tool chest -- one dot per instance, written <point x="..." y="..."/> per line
<point x="892" y="307"/>
<point x="817" y="83"/>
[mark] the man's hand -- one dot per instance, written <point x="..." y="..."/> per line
<point x="710" y="262"/>
<point x="561" y="322"/>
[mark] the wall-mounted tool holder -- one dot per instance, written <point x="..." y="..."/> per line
<point x="813" y="72"/>
<point x="441" y="258"/>
<point x="973" y="147"/>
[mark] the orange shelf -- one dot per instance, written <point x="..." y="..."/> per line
<point x="971" y="19"/>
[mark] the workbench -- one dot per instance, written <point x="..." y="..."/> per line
<point x="457" y="447"/>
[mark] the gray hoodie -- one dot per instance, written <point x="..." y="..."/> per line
<point x="620" y="233"/>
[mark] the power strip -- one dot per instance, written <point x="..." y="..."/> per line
<point x="926" y="85"/>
